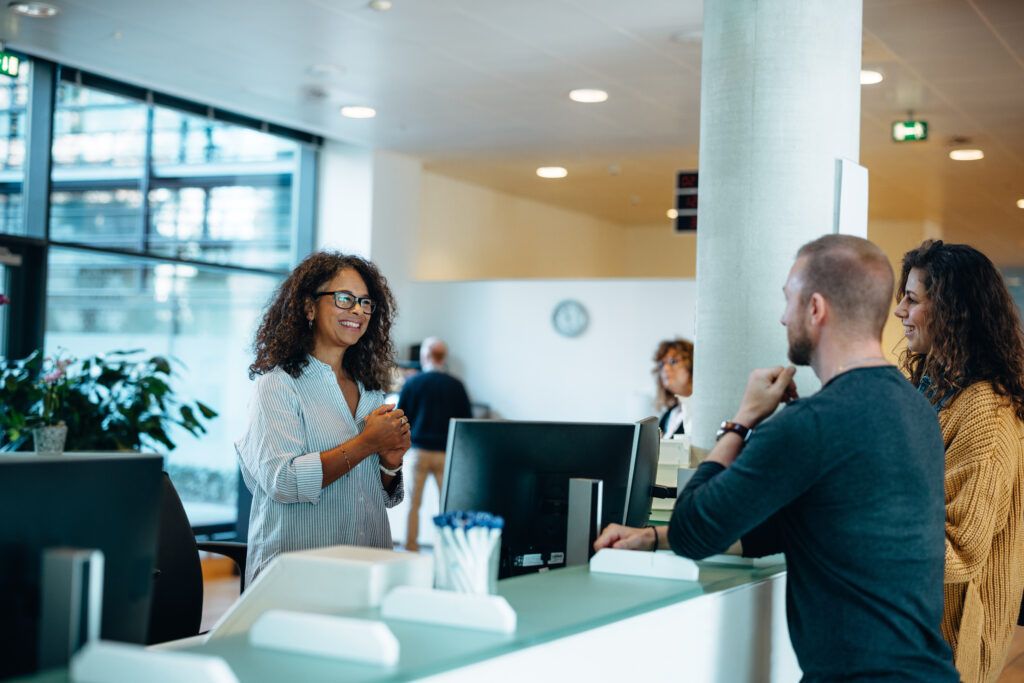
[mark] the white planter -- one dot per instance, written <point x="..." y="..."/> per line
<point x="49" y="440"/>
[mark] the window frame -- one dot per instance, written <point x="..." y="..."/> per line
<point x="27" y="284"/>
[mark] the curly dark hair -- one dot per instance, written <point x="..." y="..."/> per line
<point x="974" y="324"/>
<point x="284" y="338"/>
<point x="684" y="348"/>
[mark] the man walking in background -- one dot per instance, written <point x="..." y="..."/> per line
<point x="430" y="400"/>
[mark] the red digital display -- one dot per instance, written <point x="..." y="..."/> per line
<point x="686" y="224"/>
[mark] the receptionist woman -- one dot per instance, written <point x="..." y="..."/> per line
<point x="673" y="370"/>
<point x="322" y="454"/>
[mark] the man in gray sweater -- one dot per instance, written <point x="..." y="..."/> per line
<point x="847" y="483"/>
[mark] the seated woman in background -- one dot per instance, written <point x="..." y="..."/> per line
<point x="323" y="453"/>
<point x="965" y="351"/>
<point x="674" y="371"/>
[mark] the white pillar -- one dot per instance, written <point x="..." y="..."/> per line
<point x="780" y="102"/>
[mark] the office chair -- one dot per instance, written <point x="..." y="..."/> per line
<point x="176" y="609"/>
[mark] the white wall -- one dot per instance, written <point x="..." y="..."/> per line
<point x="344" y="198"/>
<point x="504" y="346"/>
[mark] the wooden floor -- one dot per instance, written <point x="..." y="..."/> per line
<point x="220" y="590"/>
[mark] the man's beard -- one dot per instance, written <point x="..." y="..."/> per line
<point x="800" y="346"/>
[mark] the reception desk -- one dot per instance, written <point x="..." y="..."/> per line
<point x="573" y="625"/>
<point x="730" y="626"/>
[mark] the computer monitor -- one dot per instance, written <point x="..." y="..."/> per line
<point x="107" y="502"/>
<point x="521" y="471"/>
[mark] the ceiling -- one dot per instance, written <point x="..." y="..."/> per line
<point x="478" y="90"/>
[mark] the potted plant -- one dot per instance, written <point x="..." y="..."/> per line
<point x="115" y="401"/>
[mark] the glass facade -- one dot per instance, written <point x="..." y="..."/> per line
<point x="203" y="317"/>
<point x="167" y="232"/>
<point x="214" y="191"/>
<point x="13" y="123"/>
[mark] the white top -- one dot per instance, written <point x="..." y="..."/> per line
<point x="680" y="415"/>
<point x="291" y="420"/>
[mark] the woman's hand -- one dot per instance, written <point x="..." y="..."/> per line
<point x="393" y="459"/>
<point x="387" y="429"/>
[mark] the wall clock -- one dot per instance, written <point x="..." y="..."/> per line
<point x="570" y="318"/>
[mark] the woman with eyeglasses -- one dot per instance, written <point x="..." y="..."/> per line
<point x="965" y="352"/>
<point x="673" y="368"/>
<point x="322" y="455"/>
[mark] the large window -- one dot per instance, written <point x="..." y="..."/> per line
<point x="213" y="191"/>
<point x="13" y="123"/>
<point x="168" y="226"/>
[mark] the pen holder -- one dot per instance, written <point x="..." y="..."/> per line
<point x="467" y="552"/>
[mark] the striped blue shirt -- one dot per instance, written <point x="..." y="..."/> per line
<point x="291" y="420"/>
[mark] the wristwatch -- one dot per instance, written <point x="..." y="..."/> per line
<point x="736" y="427"/>
<point x="391" y="473"/>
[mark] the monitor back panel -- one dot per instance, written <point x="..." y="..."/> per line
<point x="521" y="471"/>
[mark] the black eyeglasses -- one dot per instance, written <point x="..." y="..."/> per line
<point x="346" y="301"/>
<point x="671" y="362"/>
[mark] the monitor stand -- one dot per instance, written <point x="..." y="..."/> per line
<point x="584" y="523"/>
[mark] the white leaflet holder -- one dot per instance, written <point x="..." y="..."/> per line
<point x="737" y="561"/>
<point x="448" y="608"/>
<point x="356" y="640"/>
<point x="106" y="662"/>
<point x="663" y="564"/>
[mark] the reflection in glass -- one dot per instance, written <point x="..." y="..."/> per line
<point x="4" y="289"/>
<point x="13" y="122"/>
<point x="239" y="224"/>
<point x="217" y="192"/>
<point x="98" y="303"/>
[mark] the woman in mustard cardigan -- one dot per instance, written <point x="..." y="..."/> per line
<point x="965" y="351"/>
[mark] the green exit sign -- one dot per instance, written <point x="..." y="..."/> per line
<point x="908" y="131"/>
<point x="9" y="64"/>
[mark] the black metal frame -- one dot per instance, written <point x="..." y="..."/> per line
<point x="26" y="284"/>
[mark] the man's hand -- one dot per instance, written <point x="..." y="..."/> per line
<point x="626" y="538"/>
<point x="766" y="388"/>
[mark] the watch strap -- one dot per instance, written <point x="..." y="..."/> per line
<point x="743" y="431"/>
<point x="391" y="473"/>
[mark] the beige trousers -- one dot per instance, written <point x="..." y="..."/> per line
<point x="424" y="463"/>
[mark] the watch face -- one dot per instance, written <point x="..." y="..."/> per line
<point x="570" y="318"/>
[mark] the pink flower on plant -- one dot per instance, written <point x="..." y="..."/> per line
<point x="53" y="377"/>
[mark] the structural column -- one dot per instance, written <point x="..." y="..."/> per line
<point x="780" y="103"/>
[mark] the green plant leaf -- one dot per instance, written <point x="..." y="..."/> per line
<point x="207" y="411"/>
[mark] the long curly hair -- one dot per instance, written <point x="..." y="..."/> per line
<point x="665" y="398"/>
<point x="974" y="324"/>
<point x="284" y="338"/>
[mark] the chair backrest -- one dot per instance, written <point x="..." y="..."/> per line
<point x="244" y="507"/>
<point x="177" y="606"/>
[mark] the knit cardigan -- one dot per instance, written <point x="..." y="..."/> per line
<point x="984" y="575"/>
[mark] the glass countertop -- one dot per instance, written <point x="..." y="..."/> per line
<point x="549" y="605"/>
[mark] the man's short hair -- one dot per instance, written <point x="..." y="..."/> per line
<point x="854" y="276"/>
<point x="434" y="350"/>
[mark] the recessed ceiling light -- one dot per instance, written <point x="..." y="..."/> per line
<point x="1020" y="203"/>
<point x="966" y="154"/>
<point x="869" y="77"/>
<point x="552" y="172"/>
<point x="588" y="95"/>
<point x="358" y="112"/>
<point x="379" y="5"/>
<point x="36" y="10"/>
<point x="672" y="214"/>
